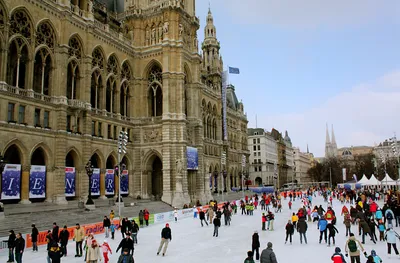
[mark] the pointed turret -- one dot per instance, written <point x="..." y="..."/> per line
<point x="212" y="60"/>
<point x="308" y="151"/>
<point x="333" y="143"/>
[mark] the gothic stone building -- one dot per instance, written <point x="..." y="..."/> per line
<point x="74" y="74"/>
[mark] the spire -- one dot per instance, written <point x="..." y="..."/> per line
<point x="307" y="149"/>
<point x="327" y="140"/>
<point x="212" y="60"/>
<point x="333" y="137"/>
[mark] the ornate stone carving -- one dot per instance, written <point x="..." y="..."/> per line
<point x="112" y="65"/>
<point x="179" y="167"/>
<point x="152" y="136"/>
<point x="21" y="24"/>
<point x="166" y="27"/>
<point x="75" y="48"/>
<point x="181" y="29"/>
<point x="45" y="35"/>
<point x="189" y="137"/>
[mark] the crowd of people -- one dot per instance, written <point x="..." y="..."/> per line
<point x="360" y="213"/>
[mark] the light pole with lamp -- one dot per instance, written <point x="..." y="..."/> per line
<point x="89" y="171"/>
<point x="2" y="166"/>
<point x="383" y="159"/>
<point x="122" y="142"/>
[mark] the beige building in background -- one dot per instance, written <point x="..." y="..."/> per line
<point x="73" y="75"/>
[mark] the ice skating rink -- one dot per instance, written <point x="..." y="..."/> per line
<point x="195" y="244"/>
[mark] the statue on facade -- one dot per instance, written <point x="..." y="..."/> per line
<point x="179" y="167"/>
<point x="166" y="27"/>
<point x="180" y="29"/>
<point x="153" y="35"/>
<point x="160" y="34"/>
<point x="147" y="37"/>
<point x="196" y="43"/>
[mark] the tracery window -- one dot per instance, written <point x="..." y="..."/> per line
<point x="21" y="24"/>
<point x="43" y="63"/>
<point x="124" y="99"/>
<point x="97" y="59"/>
<point x="2" y="18"/>
<point x="155" y="93"/>
<point x="75" y="48"/>
<point x="73" y="72"/>
<point x="110" y="95"/>
<point x="112" y="65"/>
<point x="126" y="72"/>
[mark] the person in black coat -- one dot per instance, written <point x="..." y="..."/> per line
<point x="64" y="237"/>
<point x="255" y="245"/>
<point x="11" y="245"/>
<point x="55" y="232"/>
<point x="55" y="253"/>
<point x="217" y="224"/>
<point x="19" y="248"/>
<point x="127" y="242"/>
<point x="289" y="231"/>
<point x="332" y="232"/>
<point x="166" y="237"/>
<point x="34" y="237"/>
<point x="106" y="225"/>
<point x="202" y="217"/>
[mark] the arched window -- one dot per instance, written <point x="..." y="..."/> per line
<point x="2" y="17"/>
<point x="95" y="90"/>
<point x="96" y="83"/>
<point x="72" y="80"/>
<point x="214" y="129"/>
<point x="42" y="71"/>
<point x="17" y="63"/>
<point x="124" y="99"/>
<point x="110" y="95"/>
<point x="204" y="127"/>
<point x="73" y="74"/>
<point x="45" y="37"/>
<point x="155" y="95"/>
<point x="126" y="72"/>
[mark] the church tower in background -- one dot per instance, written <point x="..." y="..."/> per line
<point x="330" y="145"/>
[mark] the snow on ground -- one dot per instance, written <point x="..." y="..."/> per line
<point x="195" y="244"/>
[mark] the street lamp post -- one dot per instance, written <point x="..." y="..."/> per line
<point x="89" y="171"/>
<point x="122" y="142"/>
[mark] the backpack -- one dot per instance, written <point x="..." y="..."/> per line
<point x="389" y="216"/>
<point x="352" y="246"/>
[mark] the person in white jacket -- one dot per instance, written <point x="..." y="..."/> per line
<point x="391" y="237"/>
<point x="176" y="215"/>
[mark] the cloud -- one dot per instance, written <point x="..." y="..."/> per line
<point x="312" y="13"/>
<point x="363" y="115"/>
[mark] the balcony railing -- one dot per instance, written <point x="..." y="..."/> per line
<point x="76" y="104"/>
<point x="26" y="93"/>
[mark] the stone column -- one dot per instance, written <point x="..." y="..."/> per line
<point x="25" y="185"/>
<point x="103" y="184"/>
<point x="3" y="64"/>
<point x="58" y="182"/>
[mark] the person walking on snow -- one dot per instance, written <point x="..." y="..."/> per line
<point x="255" y="245"/>
<point x="391" y="237"/>
<point x="176" y="215"/>
<point x="376" y="258"/>
<point x="202" y="217"/>
<point x="127" y="242"/>
<point x="302" y="229"/>
<point x="105" y="248"/>
<point x="166" y="237"/>
<point x="322" y="226"/>
<point x="353" y="247"/>
<point x="34" y="237"/>
<point x="289" y="231"/>
<point x="332" y="232"/>
<point x="64" y="237"/>
<point x="249" y="258"/>
<point x="79" y="235"/>
<point x="93" y="252"/>
<point x="338" y="257"/>
<point x="271" y="218"/>
<point x="125" y="257"/>
<point x="268" y="255"/>
<point x="106" y="225"/>
<point x="217" y="224"/>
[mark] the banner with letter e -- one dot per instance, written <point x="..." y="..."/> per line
<point x="125" y="182"/>
<point x="95" y="182"/>
<point x="11" y="182"/>
<point x="37" y="182"/>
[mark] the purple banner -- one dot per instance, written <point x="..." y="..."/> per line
<point x="95" y="182"/>
<point x="70" y="181"/>
<point x="110" y="185"/>
<point x="125" y="182"/>
<point x="37" y="182"/>
<point x="11" y="182"/>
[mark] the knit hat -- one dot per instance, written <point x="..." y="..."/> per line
<point x="105" y="241"/>
<point x="249" y="254"/>
<point x="337" y="250"/>
<point x="255" y="231"/>
<point x="373" y="253"/>
<point x="269" y="245"/>
<point x="166" y="225"/>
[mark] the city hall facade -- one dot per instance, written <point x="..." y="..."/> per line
<point x="73" y="75"/>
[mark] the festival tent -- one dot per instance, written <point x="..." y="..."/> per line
<point x="363" y="180"/>
<point x="387" y="180"/>
<point x="373" y="181"/>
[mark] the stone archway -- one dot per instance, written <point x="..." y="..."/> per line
<point x="156" y="178"/>
<point x="13" y="155"/>
<point x="38" y="157"/>
<point x="258" y="181"/>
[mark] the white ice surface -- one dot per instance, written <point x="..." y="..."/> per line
<point x="195" y="244"/>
